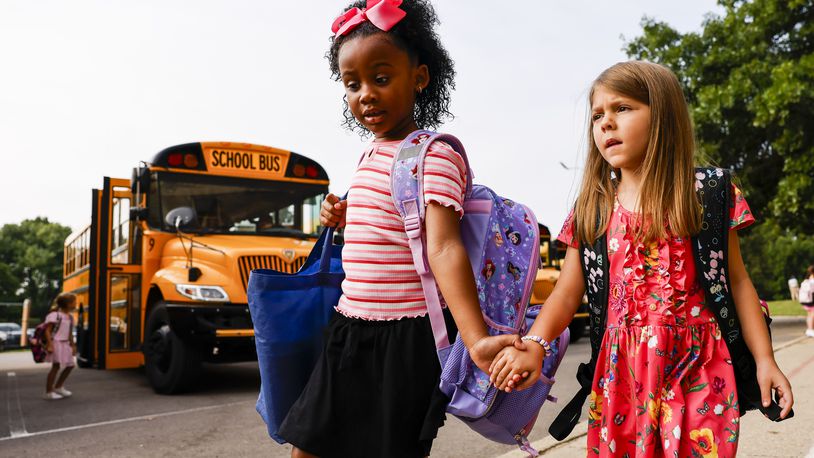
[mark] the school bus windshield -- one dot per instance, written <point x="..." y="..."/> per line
<point x="224" y="205"/>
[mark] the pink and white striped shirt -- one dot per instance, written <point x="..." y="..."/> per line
<point x="381" y="282"/>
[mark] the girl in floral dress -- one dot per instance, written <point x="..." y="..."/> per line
<point x="664" y="384"/>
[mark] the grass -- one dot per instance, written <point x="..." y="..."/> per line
<point x="786" y="308"/>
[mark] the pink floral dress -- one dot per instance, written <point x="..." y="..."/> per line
<point x="664" y="383"/>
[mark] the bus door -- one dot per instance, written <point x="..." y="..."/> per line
<point x="119" y="329"/>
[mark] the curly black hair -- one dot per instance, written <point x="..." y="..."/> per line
<point x="415" y="34"/>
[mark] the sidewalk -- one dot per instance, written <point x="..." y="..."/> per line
<point x="16" y="360"/>
<point x="759" y="437"/>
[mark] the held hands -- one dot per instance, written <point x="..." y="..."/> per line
<point x="332" y="213"/>
<point x="770" y="376"/>
<point x="507" y="357"/>
<point x="49" y="347"/>
<point x="73" y="349"/>
<point x="484" y="350"/>
<point x="517" y="367"/>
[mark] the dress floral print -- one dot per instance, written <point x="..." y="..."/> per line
<point x="664" y="383"/>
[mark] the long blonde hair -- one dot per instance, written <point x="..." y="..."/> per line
<point x="667" y="169"/>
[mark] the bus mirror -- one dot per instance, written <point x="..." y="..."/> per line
<point x="180" y="217"/>
<point x="138" y="213"/>
<point x="140" y="179"/>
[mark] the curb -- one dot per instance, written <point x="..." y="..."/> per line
<point x="790" y="343"/>
<point x="548" y="443"/>
<point x="788" y="319"/>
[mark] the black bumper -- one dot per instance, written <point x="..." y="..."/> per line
<point x="203" y="321"/>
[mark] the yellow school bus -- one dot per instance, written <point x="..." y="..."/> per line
<point x="552" y="253"/>
<point x="162" y="269"/>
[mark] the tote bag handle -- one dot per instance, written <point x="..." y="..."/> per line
<point x="327" y="244"/>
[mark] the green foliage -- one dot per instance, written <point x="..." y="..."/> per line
<point x="31" y="262"/>
<point x="786" y="308"/>
<point x="772" y="257"/>
<point x="748" y="76"/>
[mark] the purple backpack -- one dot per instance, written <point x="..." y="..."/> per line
<point x="503" y="243"/>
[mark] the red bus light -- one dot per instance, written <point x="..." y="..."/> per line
<point x="311" y="171"/>
<point x="174" y="160"/>
<point x="299" y="170"/>
<point x="190" y="161"/>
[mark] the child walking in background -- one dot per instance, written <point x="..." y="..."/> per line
<point x="664" y="383"/>
<point x="807" y="300"/>
<point x="374" y="391"/>
<point x="60" y="346"/>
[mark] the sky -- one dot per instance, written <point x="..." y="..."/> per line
<point x="90" y="88"/>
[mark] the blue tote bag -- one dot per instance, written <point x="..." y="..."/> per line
<point x="290" y="313"/>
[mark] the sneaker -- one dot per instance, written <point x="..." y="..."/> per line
<point x="810" y="332"/>
<point x="52" y="396"/>
<point x="63" y="392"/>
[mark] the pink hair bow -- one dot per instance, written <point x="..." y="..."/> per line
<point x="384" y="14"/>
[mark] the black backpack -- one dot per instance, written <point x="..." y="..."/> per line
<point x="715" y="195"/>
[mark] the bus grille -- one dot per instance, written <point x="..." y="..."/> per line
<point x="249" y="263"/>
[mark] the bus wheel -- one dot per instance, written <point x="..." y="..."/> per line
<point x="577" y="328"/>
<point x="171" y="363"/>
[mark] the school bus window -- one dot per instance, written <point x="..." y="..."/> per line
<point x="154" y="210"/>
<point x="119" y="288"/>
<point x="292" y="219"/>
<point x="224" y="205"/>
<point x="286" y="216"/>
<point x="310" y="216"/>
<point x="86" y="247"/>
<point x="76" y="254"/>
<point x="120" y="231"/>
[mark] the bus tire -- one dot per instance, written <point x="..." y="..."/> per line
<point x="577" y="328"/>
<point x="172" y="364"/>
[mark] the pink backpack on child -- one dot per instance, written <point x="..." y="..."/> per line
<point x="37" y="341"/>
<point x="503" y="243"/>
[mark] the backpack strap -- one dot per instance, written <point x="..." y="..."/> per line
<point x="595" y="271"/>
<point x="407" y="188"/>
<point x="59" y="323"/>
<point x="712" y="243"/>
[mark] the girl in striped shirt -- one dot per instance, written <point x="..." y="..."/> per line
<point x="374" y="392"/>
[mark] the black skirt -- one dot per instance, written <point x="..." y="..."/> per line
<point x="373" y="393"/>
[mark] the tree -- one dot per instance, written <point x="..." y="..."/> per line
<point x="749" y="78"/>
<point x="31" y="262"/>
<point x="772" y="256"/>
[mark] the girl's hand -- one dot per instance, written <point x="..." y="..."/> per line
<point x="517" y="367"/>
<point x="73" y="349"/>
<point x="484" y="350"/>
<point x="49" y="347"/>
<point x="770" y="376"/>
<point x="332" y="213"/>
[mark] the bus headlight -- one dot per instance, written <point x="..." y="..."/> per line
<point x="203" y="293"/>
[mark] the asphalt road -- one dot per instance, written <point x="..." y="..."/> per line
<point x="115" y="413"/>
